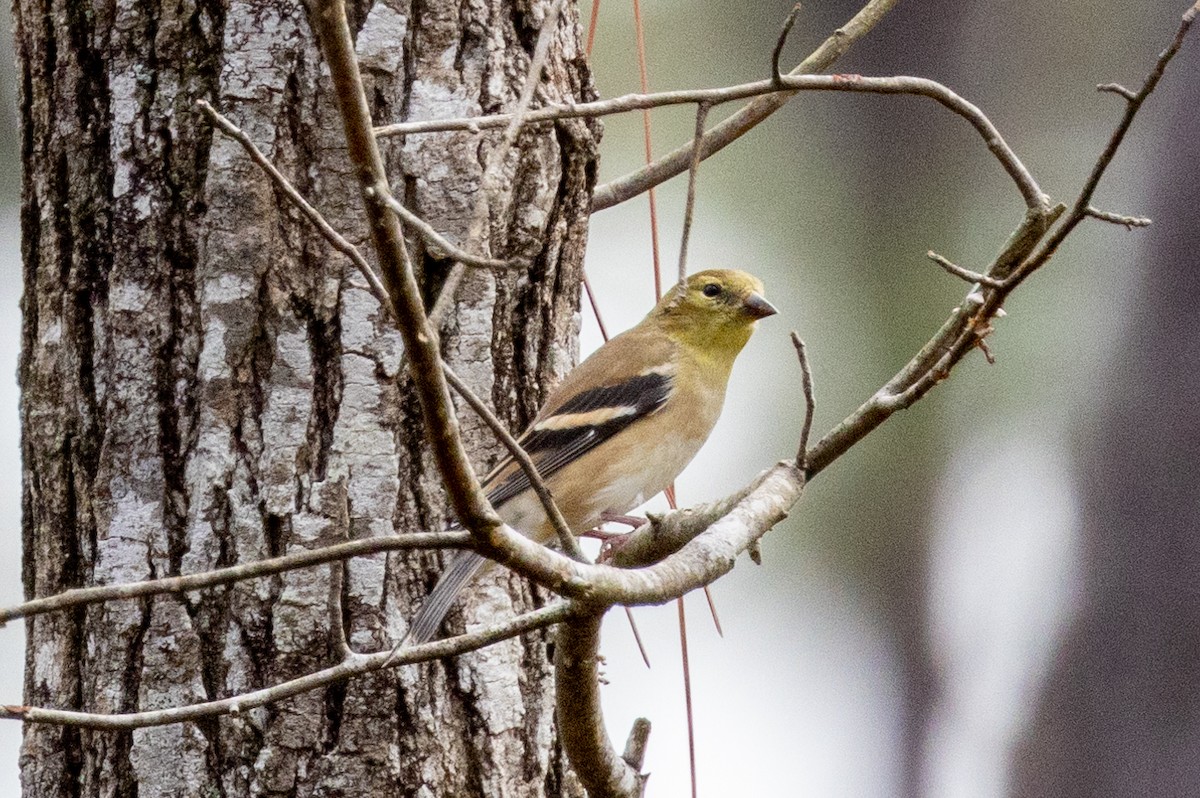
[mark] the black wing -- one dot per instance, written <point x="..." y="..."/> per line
<point x="582" y="423"/>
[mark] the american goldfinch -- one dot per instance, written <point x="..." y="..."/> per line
<point x="623" y="424"/>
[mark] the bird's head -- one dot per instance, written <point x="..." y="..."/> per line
<point x="715" y="309"/>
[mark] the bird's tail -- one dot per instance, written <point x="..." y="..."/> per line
<point x="427" y="620"/>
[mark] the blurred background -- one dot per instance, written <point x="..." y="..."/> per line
<point x="998" y="592"/>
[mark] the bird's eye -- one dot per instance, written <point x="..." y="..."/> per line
<point x="711" y="290"/>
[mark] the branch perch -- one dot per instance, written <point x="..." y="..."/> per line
<point x="787" y="85"/>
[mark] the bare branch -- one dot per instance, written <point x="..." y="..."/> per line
<point x="1128" y="222"/>
<point x="746" y="118"/>
<point x="440" y="242"/>
<point x="1028" y="249"/>
<point x="810" y="402"/>
<point x="637" y="636"/>
<point x="1132" y="106"/>
<point x="1031" y="193"/>
<point x="356" y="665"/>
<point x="420" y="341"/>
<point x="955" y="338"/>
<point x="1117" y="88"/>
<point x="776" y="74"/>
<point x="712" y="610"/>
<point x="690" y="207"/>
<point x="635" y="745"/>
<point x="966" y="274"/>
<point x="337" y="621"/>
<point x="335" y="239"/>
<point x="235" y="573"/>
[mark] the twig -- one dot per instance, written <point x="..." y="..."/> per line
<point x="689" y="208"/>
<point x="1128" y="222"/>
<point x="790" y="84"/>
<point x="235" y="573"/>
<point x="591" y="295"/>
<point x="712" y="610"/>
<point x="810" y="402"/>
<point x="1028" y="249"/>
<point x="489" y="183"/>
<point x="635" y="744"/>
<point x="438" y="241"/>
<point x="591" y="37"/>
<point x="420" y="341"/>
<point x="637" y="637"/>
<point x="356" y="665"/>
<point x="776" y="74"/>
<point x="337" y="622"/>
<point x="335" y="239"/>
<point x="566" y="538"/>
<point x="966" y="274"/>
<point x="1133" y="104"/>
<point x="1117" y="88"/>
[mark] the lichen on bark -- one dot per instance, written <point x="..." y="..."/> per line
<point x="205" y="382"/>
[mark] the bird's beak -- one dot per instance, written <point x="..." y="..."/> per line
<point x="757" y="307"/>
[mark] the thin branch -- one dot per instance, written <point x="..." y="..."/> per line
<point x="810" y="402"/>
<point x="966" y="274"/>
<point x="689" y="208"/>
<point x="335" y="239"/>
<point x="635" y="744"/>
<point x="1128" y="222"/>
<point x="777" y="53"/>
<point x="490" y="183"/>
<point x="440" y="242"/>
<point x="591" y="37"/>
<point x="566" y="538"/>
<point x="722" y="135"/>
<point x="745" y="118"/>
<point x="1117" y="88"/>
<point x="235" y="573"/>
<point x="637" y="637"/>
<point x="712" y="611"/>
<point x="591" y="295"/>
<point x="1132" y="106"/>
<point x="1031" y="193"/>
<point x="337" y="621"/>
<point x="1028" y="249"/>
<point x="420" y="341"/>
<point x="356" y="665"/>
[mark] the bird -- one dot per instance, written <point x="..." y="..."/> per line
<point x="622" y="425"/>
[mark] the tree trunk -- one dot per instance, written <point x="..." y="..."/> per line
<point x="205" y="382"/>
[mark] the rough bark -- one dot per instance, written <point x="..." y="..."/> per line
<point x="205" y="383"/>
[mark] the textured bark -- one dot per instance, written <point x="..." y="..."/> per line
<point x="204" y="383"/>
